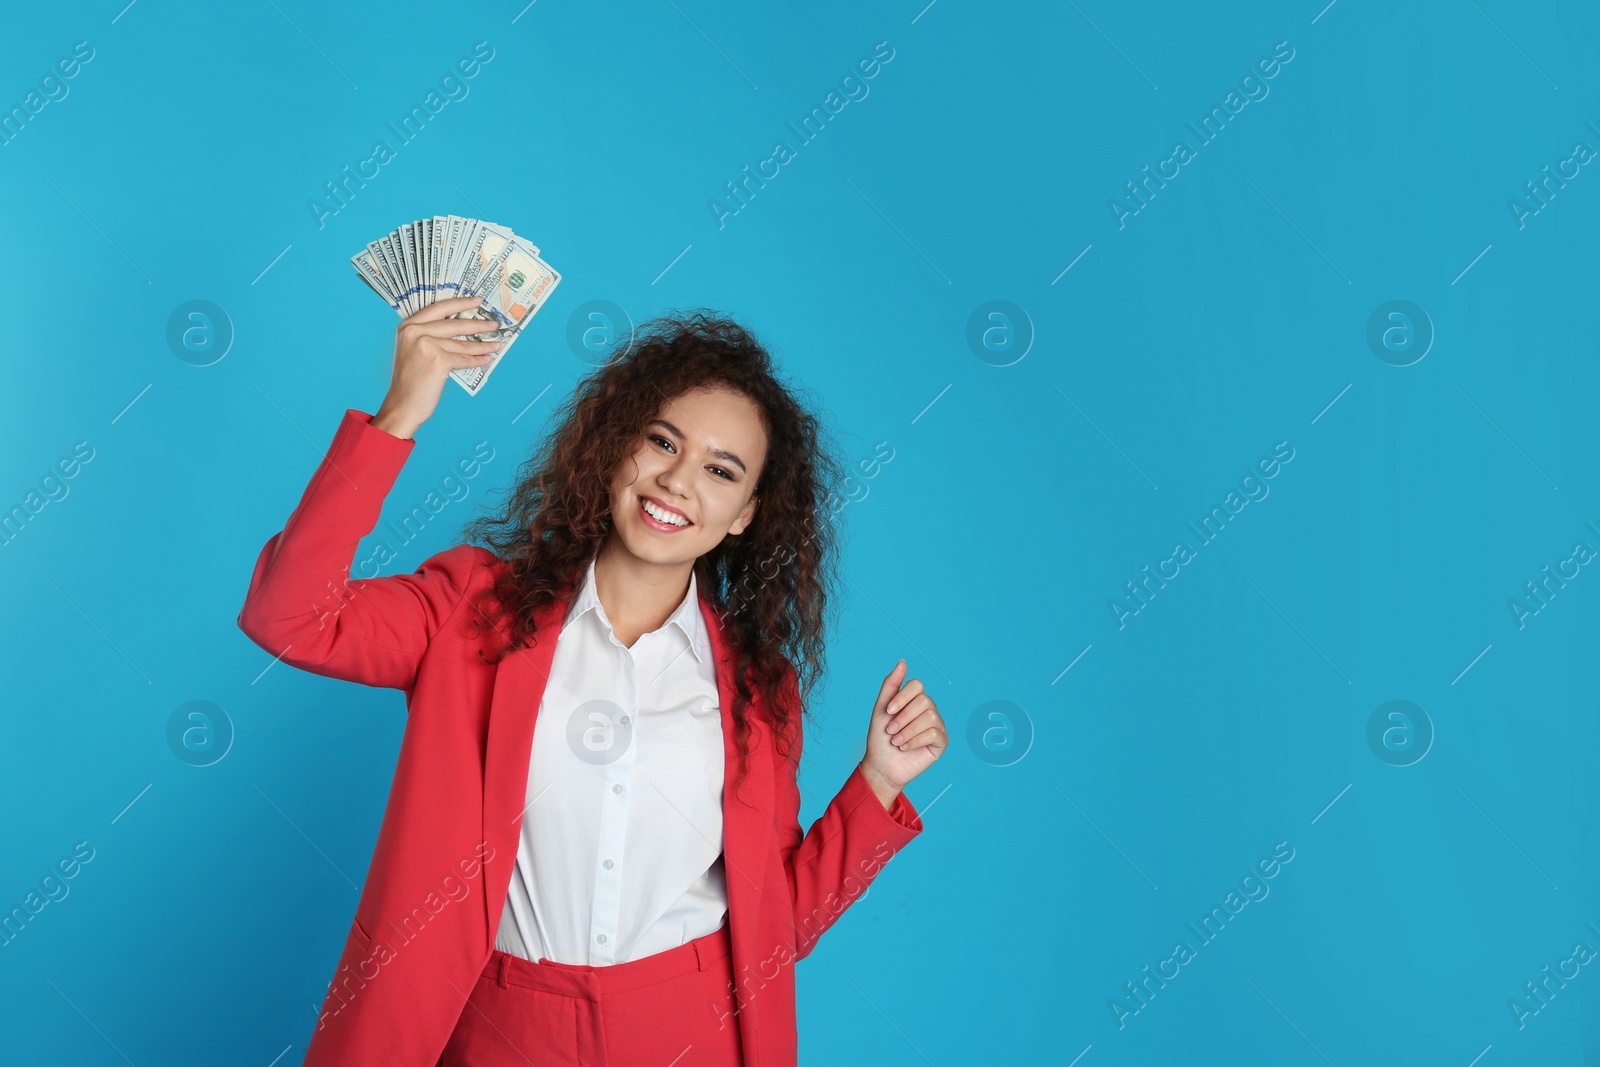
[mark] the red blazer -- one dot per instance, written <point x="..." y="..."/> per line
<point x="425" y="922"/>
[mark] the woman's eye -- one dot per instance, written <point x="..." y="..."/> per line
<point x="721" y="472"/>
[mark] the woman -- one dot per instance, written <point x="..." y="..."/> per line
<point x="645" y="884"/>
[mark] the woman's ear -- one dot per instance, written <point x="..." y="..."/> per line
<point x="746" y="516"/>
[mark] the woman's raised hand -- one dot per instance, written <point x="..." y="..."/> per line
<point x="427" y="347"/>
<point x="906" y="734"/>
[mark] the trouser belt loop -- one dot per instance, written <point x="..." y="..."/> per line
<point x="505" y="968"/>
<point x="710" y="950"/>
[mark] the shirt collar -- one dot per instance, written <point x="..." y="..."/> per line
<point x="687" y="615"/>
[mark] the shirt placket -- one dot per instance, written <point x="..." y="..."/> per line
<point x="614" y="813"/>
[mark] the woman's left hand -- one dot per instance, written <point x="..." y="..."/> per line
<point x="907" y="733"/>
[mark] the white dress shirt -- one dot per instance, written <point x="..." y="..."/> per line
<point x="620" y="854"/>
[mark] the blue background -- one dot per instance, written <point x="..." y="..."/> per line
<point x="1033" y="475"/>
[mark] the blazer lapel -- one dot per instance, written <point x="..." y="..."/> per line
<point x="747" y="841"/>
<point x="747" y="829"/>
<point x="519" y="684"/>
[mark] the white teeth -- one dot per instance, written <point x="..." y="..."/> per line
<point x="662" y="516"/>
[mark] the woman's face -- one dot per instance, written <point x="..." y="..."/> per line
<point x="696" y="464"/>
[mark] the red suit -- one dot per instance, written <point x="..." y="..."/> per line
<point x="425" y="923"/>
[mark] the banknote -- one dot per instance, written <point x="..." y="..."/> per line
<point x="447" y="256"/>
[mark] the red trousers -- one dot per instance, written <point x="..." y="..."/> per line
<point x="672" y="1008"/>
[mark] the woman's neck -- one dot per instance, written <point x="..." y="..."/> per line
<point x="638" y="596"/>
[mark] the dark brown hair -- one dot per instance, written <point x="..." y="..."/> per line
<point x="771" y="584"/>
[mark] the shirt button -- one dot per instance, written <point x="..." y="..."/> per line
<point x="601" y="938"/>
<point x="617" y="789"/>
<point x="608" y="865"/>
<point x="626" y="720"/>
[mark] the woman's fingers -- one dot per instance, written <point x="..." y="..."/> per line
<point x="469" y="353"/>
<point x="913" y="715"/>
<point x="890" y="684"/>
<point x="908" y="691"/>
<point x="932" y="735"/>
<point x="451" y="346"/>
<point x="428" y="346"/>
<point x="451" y="327"/>
<point x="441" y="309"/>
<point x="461" y="352"/>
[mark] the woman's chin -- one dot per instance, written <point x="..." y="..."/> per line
<point x="650" y="547"/>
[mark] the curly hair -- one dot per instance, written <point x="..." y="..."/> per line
<point x="770" y="585"/>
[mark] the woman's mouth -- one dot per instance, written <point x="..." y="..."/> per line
<point x="671" y="521"/>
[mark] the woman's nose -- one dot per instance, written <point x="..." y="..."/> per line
<point x="675" y="478"/>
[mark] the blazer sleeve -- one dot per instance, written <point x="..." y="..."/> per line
<point x="832" y="864"/>
<point x="302" y="605"/>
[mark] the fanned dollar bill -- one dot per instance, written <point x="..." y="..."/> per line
<point x="448" y="256"/>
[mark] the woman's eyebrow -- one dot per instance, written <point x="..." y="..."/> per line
<point x="718" y="452"/>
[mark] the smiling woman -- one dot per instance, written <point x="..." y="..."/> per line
<point x="687" y="485"/>
<point x="648" y="886"/>
<point x="689" y="420"/>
